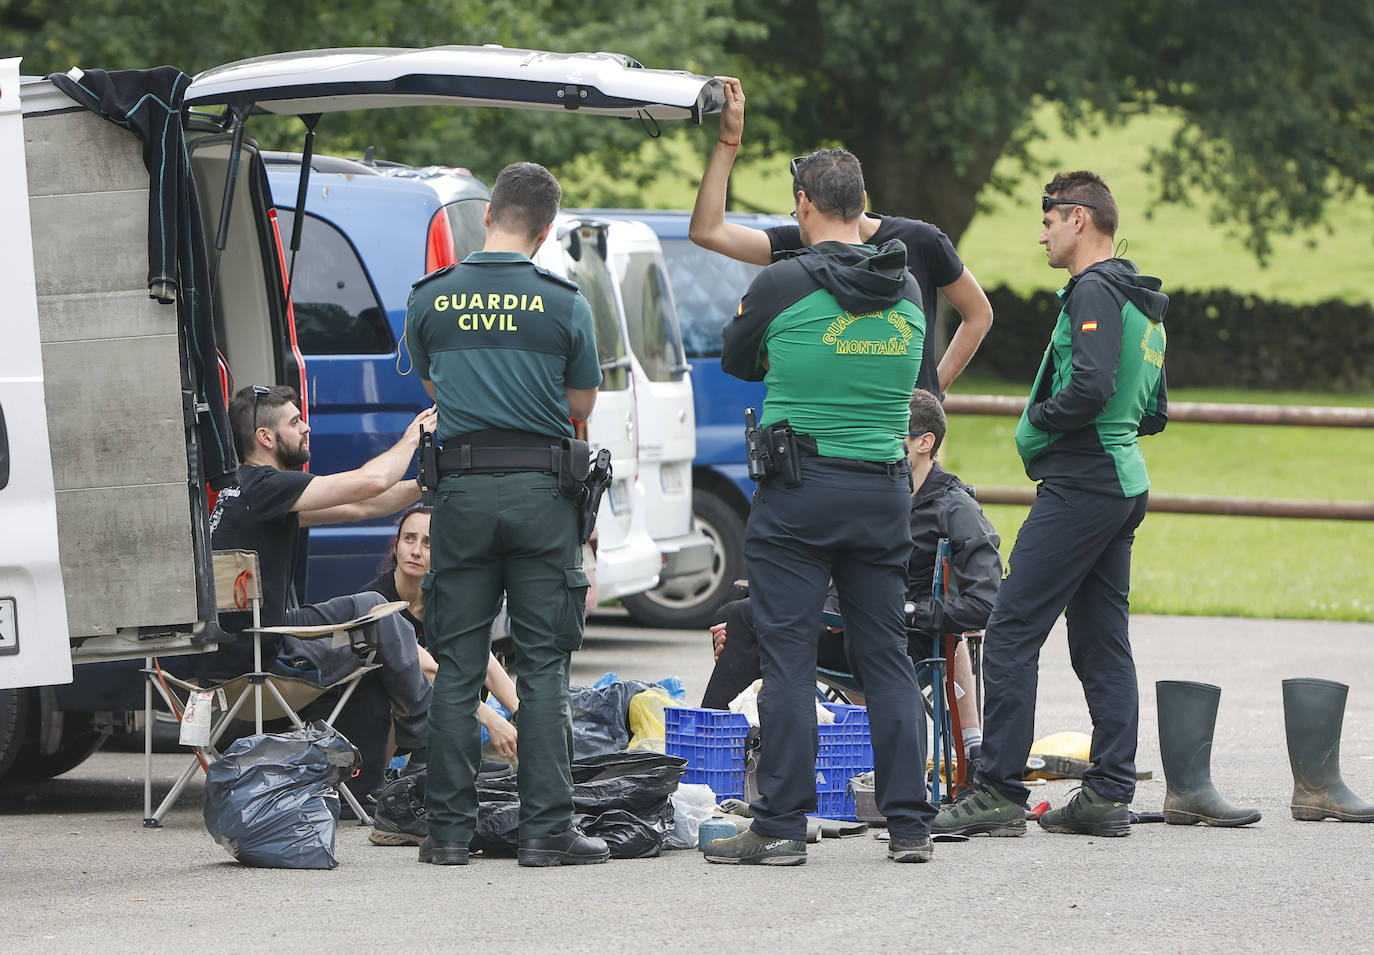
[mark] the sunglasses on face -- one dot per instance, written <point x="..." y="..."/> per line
<point x="1049" y="202"/>
<point x="258" y="392"/>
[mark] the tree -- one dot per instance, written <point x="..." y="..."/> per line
<point x="125" y="34"/>
<point x="1277" y="121"/>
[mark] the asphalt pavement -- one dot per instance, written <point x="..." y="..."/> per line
<point x="78" y="872"/>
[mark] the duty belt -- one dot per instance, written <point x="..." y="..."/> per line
<point x="466" y="459"/>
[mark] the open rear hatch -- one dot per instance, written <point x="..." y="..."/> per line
<point x="326" y="81"/>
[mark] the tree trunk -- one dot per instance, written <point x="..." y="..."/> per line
<point x="903" y="183"/>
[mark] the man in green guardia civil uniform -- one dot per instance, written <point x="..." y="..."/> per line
<point x="508" y="352"/>
<point x="1100" y="388"/>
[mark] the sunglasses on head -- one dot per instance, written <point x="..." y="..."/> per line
<point x="1048" y="202"/>
<point x="258" y="392"/>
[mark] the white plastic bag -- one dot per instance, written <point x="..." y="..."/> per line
<point x="748" y="703"/>
<point x="693" y="804"/>
<point x="196" y="718"/>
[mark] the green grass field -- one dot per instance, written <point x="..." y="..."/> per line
<point x="1227" y="566"/>
<point x="1184" y="564"/>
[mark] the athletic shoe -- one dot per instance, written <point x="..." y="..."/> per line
<point x="910" y="848"/>
<point x="978" y="810"/>
<point x="1089" y="814"/>
<point x="750" y="848"/>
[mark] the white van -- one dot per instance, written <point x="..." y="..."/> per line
<point x="627" y="557"/>
<point x="667" y="422"/>
<point x="104" y="410"/>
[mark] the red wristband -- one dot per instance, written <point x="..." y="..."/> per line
<point x="726" y="142"/>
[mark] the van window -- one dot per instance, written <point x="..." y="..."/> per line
<point x="465" y="219"/>
<point x="337" y="310"/>
<point x="650" y="320"/>
<point x="593" y="277"/>
<point x="707" y="288"/>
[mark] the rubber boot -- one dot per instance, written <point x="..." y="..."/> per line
<point x="1187" y="719"/>
<point x="1313" y="711"/>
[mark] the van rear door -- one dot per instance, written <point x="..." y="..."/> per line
<point x="33" y="605"/>
<point x="326" y="81"/>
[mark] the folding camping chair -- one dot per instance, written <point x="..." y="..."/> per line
<point x="237" y="574"/>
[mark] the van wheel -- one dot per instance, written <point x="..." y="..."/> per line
<point x="14" y="723"/>
<point x="81" y="737"/>
<point x="689" y="603"/>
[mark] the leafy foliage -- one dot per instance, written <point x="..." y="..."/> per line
<point x="1278" y="124"/>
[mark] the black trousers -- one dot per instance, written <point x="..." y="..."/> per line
<point x="849" y="521"/>
<point x="1072" y="556"/>
<point x="738" y="664"/>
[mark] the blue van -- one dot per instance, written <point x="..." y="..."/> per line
<point x="349" y="289"/>
<point x="371" y="229"/>
<point x="706" y="288"/>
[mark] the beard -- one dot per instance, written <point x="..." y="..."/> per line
<point x="292" y="459"/>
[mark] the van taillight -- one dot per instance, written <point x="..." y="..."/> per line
<point x="290" y="319"/>
<point x="439" y="248"/>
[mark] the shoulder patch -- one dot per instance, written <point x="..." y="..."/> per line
<point x="555" y="277"/>
<point x="435" y="274"/>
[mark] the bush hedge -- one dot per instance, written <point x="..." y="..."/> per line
<point x="1217" y="339"/>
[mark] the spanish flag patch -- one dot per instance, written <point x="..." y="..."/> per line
<point x="740" y="310"/>
<point x="1088" y="327"/>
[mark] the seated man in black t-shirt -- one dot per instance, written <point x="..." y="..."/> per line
<point x="931" y="258"/>
<point x="264" y="513"/>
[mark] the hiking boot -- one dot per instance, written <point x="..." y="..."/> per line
<point x="439" y="852"/>
<point x="1089" y="814"/>
<point x="750" y="848"/>
<point x="569" y="847"/>
<point x="979" y="810"/>
<point x="909" y="848"/>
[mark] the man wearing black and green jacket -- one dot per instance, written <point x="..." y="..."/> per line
<point x="1100" y="386"/>
<point x="837" y="335"/>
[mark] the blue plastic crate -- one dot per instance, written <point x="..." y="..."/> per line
<point x="846" y="749"/>
<point x="712" y="742"/>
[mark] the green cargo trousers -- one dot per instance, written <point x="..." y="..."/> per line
<point x="495" y="533"/>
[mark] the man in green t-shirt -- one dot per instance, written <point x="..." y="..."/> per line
<point x="1100" y="386"/>
<point x="837" y="335"/>
<point x="508" y="352"/>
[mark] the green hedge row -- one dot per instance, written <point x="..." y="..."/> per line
<point x="1216" y="339"/>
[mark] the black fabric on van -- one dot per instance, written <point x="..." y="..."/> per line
<point x="148" y="104"/>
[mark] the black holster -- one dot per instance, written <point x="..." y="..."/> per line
<point x="429" y="467"/>
<point x="772" y="451"/>
<point x="589" y="500"/>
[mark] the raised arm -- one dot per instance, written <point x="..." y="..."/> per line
<point x="709" y="228"/>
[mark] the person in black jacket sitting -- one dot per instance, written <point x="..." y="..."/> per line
<point x="941" y="507"/>
<point x="403" y="571"/>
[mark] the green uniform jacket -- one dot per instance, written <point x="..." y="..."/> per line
<point x="501" y="339"/>
<point x="843" y="338"/>
<point x="1100" y="385"/>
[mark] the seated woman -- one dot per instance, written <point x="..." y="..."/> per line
<point x="403" y="569"/>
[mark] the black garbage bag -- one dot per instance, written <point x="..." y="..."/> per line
<point x="630" y="835"/>
<point x="272" y="800"/>
<point x="498" y="823"/>
<point x="620" y="797"/>
<point x="601" y="716"/>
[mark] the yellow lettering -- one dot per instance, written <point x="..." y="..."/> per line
<point x="487" y="321"/>
<point x="441" y="303"/>
<point x="465" y="322"/>
<point x="536" y="304"/>
<point x="509" y="301"/>
<point x="510" y="324"/>
<point x="493" y="300"/>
